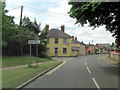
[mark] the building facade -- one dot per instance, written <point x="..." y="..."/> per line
<point x="59" y="43"/>
<point x="78" y="48"/>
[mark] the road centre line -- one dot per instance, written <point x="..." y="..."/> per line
<point x="96" y="83"/>
<point x="86" y="64"/>
<point x="53" y="70"/>
<point x="88" y="70"/>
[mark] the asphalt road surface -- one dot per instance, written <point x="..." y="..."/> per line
<point x="79" y="72"/>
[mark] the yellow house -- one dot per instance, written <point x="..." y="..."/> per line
<point x="59" y="43"/>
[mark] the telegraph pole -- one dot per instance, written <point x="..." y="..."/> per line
<point x="21" y="15"/>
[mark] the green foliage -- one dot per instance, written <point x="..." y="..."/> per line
<point x="23" y="34"/>
<point x="96" y="50"/>
<point x="43" y="46"/>
<point x="15" y="38"/>
<point x="98" y="14"/>
<point x="32" y="26"/>
<point x="8" y="27"/>
<point x="11" y="61"/>
<point x="20" y="75"/>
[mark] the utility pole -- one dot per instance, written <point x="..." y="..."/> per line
<point x="21" y="15"/>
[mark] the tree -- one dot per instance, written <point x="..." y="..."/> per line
<point x="33" y="26"/>
<point x="23" y="34"/>
<point x="98" y="14"/>
<point x="43" y="47"/>
<point x="8" y="27"/>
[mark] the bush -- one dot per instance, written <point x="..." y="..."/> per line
<point x="48" y="57"/>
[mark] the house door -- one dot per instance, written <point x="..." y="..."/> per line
<point x="56" y="52"/>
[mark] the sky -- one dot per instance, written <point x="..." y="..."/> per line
<point x="54" y="13"/>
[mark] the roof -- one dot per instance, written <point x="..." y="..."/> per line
<point x="57" y="33"/>
<point x="76" y="41"/>
<point x="107" y="45"/>
<point x="104" y="44"/>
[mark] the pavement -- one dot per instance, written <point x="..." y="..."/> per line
<point x="79" y="72"/>
<point x="23" y="65"/>
<point x="109" y="61"/>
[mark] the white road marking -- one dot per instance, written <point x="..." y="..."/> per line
<point x="86" y="64"/>
<point x="96" y="83"/>
<point x="88" y="70"/>
<point x="53" y="70"/>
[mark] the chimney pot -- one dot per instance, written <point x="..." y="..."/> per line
<point x="63" y="28"/>
<point x="47" y="26"/>
<point x="75" y="38"/>
<point x="72" y="38"/>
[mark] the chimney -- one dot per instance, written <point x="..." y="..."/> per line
<point x="76" y="38"/>
<point x="47" y="26"/>
<point x="89" y="43"/>
<point x="63" y="28"/>
<point x="72" y="38"/>
<point x="81" y="41"/>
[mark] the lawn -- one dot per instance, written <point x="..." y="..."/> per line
<point x="20" y="60"/>
<point x="14" y="77"/>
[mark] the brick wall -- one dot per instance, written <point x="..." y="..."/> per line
<point x="115" y="56"/>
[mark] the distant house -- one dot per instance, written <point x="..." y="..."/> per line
<point x="89" y="49"/>
<point x="106" y="45"/>
<point x="103" y="48"/>
<point x="78" y="48"/>
<point x="75" y="47"/>
<point x="82" y="48"/>
<point x="59" y="43"/>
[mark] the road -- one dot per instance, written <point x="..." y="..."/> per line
<point x="79" y="72"/>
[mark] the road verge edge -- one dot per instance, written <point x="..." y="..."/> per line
<point x="37" y="76"/>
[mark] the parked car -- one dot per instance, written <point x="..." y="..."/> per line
<point x="97" y="52"/>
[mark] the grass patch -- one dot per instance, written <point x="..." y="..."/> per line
<point x="14" y="77"/>
<point x="20" y="60"/>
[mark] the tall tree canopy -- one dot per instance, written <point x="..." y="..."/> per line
<point x="98" y="14"/>
<point x="8" y="27"/>
<point x="33" y="26"/>
<point x="15" y="37"/>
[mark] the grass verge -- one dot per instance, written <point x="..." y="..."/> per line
<point x="14" y="77"/>
<point x="20" y="60"/>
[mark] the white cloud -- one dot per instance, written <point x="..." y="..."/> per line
<point x="86" y="34"/>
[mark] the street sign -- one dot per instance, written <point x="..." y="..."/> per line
<point x="33" y="41"/>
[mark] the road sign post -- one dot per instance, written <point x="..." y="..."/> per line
<point x="33" y="42"/>
<point x="30" y="55"/>
<point x="37" y="55"/>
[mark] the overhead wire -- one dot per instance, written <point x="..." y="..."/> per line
<point x="40" y="10"/>
<point x="46" y="11"/>
<point x="14" y="8"/>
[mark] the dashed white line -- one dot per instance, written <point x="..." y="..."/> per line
<point x="88" y="70"/>
<point x="96" y="83"/>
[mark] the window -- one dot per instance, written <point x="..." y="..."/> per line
<point x="56" y="40"/>
<point x="64" y="50"/>
<point x="64" y="40"/>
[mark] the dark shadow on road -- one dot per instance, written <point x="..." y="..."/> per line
<point x="110" y="70"/>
